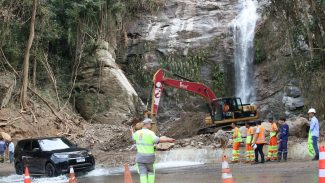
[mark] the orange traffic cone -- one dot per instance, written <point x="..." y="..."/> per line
<point x="321" y="163"/>
<point x="226" y="172"/>
<point x="26" y="176"/>
<point x="127" y="174"/>
<point x="72" y="176"/>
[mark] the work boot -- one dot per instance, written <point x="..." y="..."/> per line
<point x="285" y="156"/>
<point x="316" y="158"/>
<point x="279" y="156"/>
<point x="235" y="161"/>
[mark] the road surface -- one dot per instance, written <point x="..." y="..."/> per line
<point x="289" y="172"/>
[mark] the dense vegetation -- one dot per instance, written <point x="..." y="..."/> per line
<point x="65" y="31"/>
<point x="292" y="39"/>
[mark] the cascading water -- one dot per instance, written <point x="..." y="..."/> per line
<point x="244" y="32"/>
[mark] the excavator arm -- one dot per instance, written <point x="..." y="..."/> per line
<point x="223" y="111"/>
<point x="159" y="81"/>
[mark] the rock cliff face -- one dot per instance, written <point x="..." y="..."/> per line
<point x="183" y="29"/>
<point x="104" y="94"/>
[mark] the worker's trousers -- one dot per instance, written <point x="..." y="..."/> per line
<point x="259" y="150"/>
<point x="235" y="151"/>
<point x="146" y="172"/>
<point x="2" y="157"/>
<point x="283" y="149"/>
<point x="315" y="139"/>
<point x="249" y="153"/>
<point x="273" y="149"/>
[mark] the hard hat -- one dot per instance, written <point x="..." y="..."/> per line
<point x="311" y="110"/>
<point x="147" y="121"/>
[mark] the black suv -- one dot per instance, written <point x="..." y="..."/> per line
<point x="51" y="156"/>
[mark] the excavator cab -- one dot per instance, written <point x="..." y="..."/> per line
<point x="227" y="110"/>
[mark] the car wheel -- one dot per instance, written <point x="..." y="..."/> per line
<point x="19" y="168"/>
<point x="50" y="170"/>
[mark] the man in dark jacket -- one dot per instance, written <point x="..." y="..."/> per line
<point x="283" y="140"/>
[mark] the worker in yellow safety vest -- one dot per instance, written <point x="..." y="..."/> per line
<point x="259" y="141"/>
<point x="145" y="141"/>
<point x="272" y="154"/>
<point x="236" y="137"/>
<point x="249" y="139"/>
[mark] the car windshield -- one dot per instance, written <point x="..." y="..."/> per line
<point x="54" y="144"/>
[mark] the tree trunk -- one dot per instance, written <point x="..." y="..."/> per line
<point x="23" y="94"/>
<point x="34" y="73"/>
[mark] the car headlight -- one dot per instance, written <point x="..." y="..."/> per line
<point x="61" y="156"/>
<point x="89" y="153"/>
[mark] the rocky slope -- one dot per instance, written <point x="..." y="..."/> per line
<point x="289" y="66"/>
<point x="104" y="94"/>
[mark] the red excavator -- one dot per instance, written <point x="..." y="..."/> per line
<point x="223" y="111"/>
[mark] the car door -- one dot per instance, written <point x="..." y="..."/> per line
<point x="36" y="158"/>
<point x="26" y="156"/>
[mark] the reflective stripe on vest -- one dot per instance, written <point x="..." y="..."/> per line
<point x="238" y="138"/>
<point x="273" y="130"/>
<point x="249" y="135"/>
<point x="261" y="136"/>
<point x="145" y="142"/>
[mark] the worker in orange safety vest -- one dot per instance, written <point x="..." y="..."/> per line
<point x="259" y="141"/>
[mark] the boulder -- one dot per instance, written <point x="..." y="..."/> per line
<point x="222" y="137"/>
<point x="104" y="94"/>
<point x="7" y="85"/>
<point x="293" y="91"/>
<point x="165" y="146"/>
<point x="293" y="103"/>
<point x="298" y="126"/>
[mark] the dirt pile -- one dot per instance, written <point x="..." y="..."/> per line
<point x="186" y="126"/>
<point x="40" y="122"/>
<point x="215" y="140"/>
<point x="105" y="137"/>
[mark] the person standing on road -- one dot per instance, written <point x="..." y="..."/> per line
<point x="283" y="139"/>
<point x="2" y="149"/>
<point x="249" y="140"/>
<point x="236" y="137"/>
<point x="11" y="149"/>
<point x="273" y="145"/>
<point x="259" y="141"/>
<point x="314" y="131"/>
<point x="145" y="141"/>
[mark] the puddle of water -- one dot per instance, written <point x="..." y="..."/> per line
<point x="98" y="172"/>
<point x="175" y="164"/>
<point x="20" y="179"/>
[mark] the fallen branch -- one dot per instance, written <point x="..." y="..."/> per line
<point x="51" y="75"/>
<point x="46" y="103"/>
<point x="11" y="121"/>
<point x="3" y="124"/>
<point x="8" y="63"/>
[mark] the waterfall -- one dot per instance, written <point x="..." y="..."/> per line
<point x="244" y="31"/>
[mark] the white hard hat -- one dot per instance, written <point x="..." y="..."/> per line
<point x="311" y="110"/>
<point x="147" y="121"/>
